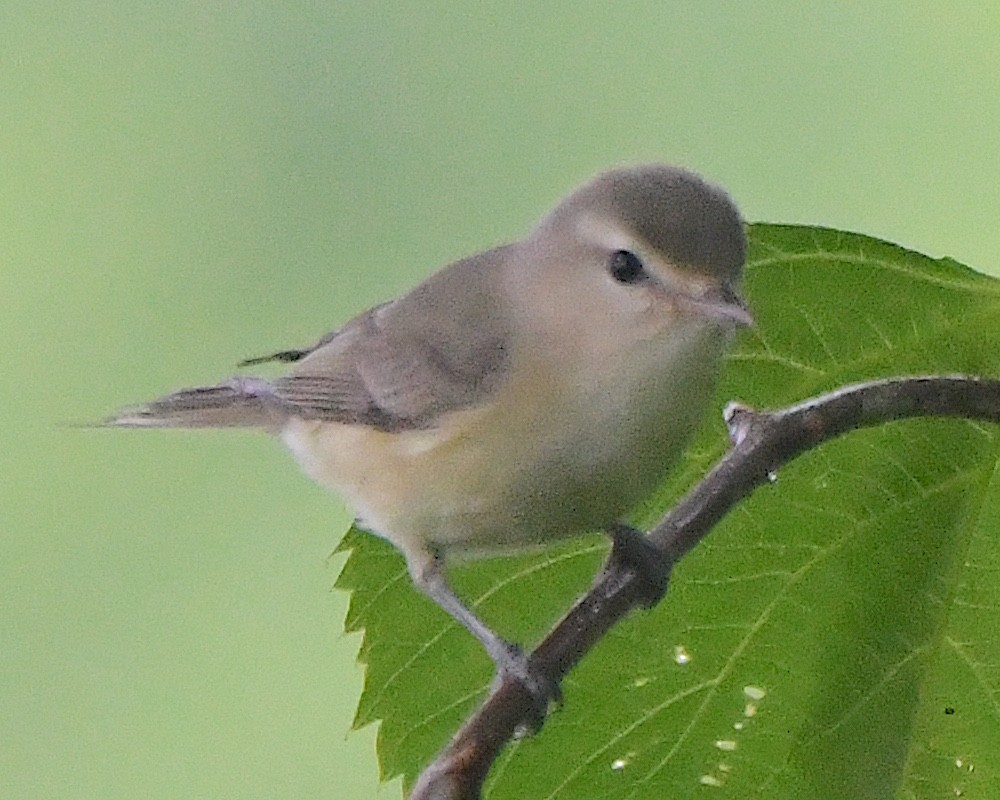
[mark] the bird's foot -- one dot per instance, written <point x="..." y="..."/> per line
<point x="513" y="663"/>
<point x="630" y="548"/>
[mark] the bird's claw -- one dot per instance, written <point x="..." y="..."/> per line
<point x="631" y="548"/>
<point x="514" y="664"/>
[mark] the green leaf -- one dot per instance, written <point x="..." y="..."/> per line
<point x="836" y="636"/>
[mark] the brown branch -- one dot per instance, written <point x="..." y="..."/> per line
<point x="762" y="443"/>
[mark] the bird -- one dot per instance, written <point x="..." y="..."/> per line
<point x="534" y="391"/>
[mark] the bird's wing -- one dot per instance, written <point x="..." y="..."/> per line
<point x="442" y="347"/>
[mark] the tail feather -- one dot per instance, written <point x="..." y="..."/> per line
<point x="239" y="403"/>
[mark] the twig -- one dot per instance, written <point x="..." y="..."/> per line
<point x="763" y="442"/>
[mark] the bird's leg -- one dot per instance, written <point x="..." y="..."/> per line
<point x="509" y="659"/>
<point x="631" y="548"/>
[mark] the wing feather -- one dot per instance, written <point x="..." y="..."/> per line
<point x="402" y="365"/>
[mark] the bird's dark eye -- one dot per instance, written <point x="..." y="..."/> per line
<point x="625" y="267"/>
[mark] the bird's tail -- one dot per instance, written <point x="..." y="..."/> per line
<point x="238" y="403"/>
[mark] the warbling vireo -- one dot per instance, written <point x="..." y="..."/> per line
<point x="537" y="390"/>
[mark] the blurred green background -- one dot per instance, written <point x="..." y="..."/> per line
<point x="183" y="185"/>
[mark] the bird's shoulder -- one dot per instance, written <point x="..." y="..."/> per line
<point x="442" y="347"/>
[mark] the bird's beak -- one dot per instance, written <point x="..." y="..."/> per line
<point x="724" y="304"/>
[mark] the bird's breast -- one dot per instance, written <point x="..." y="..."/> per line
<point x="558" y="451"/>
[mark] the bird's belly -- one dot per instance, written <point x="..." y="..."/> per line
<point x="513" y="474"/>
<point x="454" y="484"/>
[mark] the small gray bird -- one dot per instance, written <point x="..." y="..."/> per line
<point x="535" y="391"/>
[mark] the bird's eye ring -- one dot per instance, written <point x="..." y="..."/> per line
<point x="626" y="267"/>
